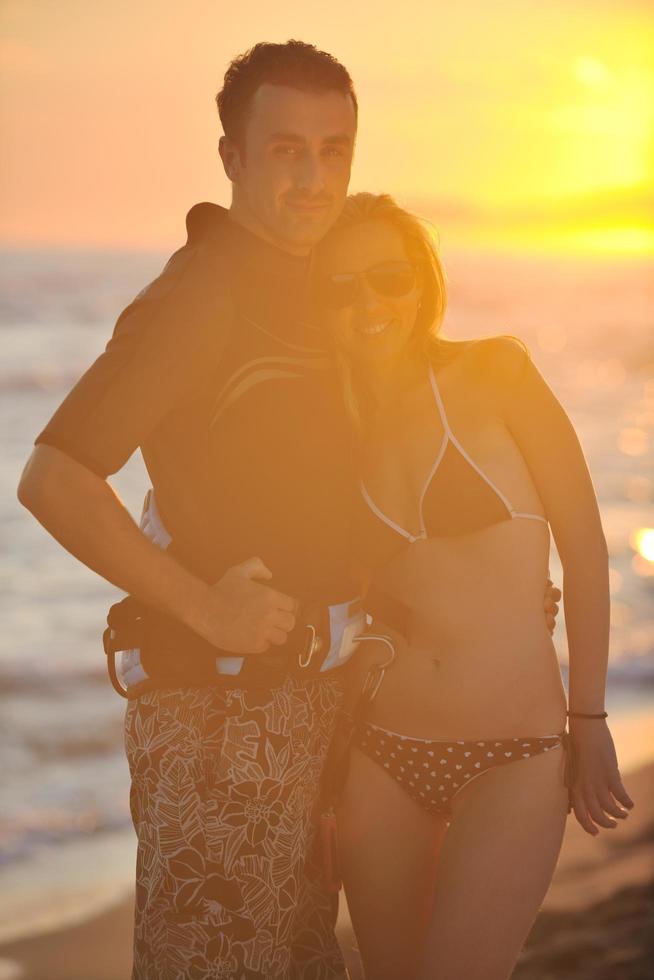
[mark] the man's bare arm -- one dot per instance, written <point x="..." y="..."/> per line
<point x="86" y="516"/>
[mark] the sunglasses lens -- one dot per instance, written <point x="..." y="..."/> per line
<point x="339" y="291"/>
<point x="397" y="283"/>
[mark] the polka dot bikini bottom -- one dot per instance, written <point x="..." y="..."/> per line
<point x="433" y="772"/>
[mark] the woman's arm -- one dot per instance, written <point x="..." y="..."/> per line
<point x="551" y="449"/>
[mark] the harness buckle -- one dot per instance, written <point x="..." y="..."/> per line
<point x="313" y="645"/>
<point x="110" y="649"/>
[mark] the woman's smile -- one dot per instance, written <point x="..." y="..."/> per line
<point x="373" y="329"/>
<point x="370" y="292"/>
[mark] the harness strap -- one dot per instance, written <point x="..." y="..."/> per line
<point x="385" y="608"/>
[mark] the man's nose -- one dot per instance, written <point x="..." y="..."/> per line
<point x="310" y="175"/>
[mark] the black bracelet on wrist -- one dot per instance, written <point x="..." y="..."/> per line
<point x="581" y="714"/>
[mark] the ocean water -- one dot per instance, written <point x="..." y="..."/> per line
<point x="66" y="845"/>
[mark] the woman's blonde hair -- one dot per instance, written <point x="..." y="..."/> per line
<point x="419" y="241"/>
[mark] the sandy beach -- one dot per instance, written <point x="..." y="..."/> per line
<point x="593" y="925"/>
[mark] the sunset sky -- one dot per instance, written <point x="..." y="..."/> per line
<point x="512" y="124"/>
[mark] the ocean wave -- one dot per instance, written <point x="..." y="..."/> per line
<point x="71" y="745"/>
<point x="26" y="832"/>
<point x="637" y="671"/>
<point x="14" y="680"/>
<point x="38" y="380"/>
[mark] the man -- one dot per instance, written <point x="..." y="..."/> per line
<point x="215" y="373"/>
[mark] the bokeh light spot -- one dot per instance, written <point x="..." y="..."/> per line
<point x="591" y="72"/>
<point x="642" y="566"/>
<point x="607" y="372"/>
<point x="639" y="489"/>
<point x="633" y="442"/>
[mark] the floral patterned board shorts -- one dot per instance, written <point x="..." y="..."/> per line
<point x="224" y="799"/>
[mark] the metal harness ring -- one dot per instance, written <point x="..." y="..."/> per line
<point x="376" y="674"/>
<point x="304" y="658"/>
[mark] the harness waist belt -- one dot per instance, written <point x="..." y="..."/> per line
<point x="158" y="651"/>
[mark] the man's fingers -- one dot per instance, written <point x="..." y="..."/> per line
<point x="276" y="636"/>
<point x="278" y="600"/>
<point x="259" y="648"/>
<point x="283" y="620"/>
<point x="255" y="568"/>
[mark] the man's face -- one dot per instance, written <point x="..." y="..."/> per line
<point x="290" y="184"/>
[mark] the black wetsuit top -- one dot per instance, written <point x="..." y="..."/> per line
<point x="215" y="374"/>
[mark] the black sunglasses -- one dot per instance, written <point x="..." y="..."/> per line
<point x="342" y="289"/>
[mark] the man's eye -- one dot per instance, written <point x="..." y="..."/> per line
<point x="333" y="151"/>
<point x="286" y="151"/>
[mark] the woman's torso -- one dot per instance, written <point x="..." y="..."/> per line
<point x="455" y="529"/>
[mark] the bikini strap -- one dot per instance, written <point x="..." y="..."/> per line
<point x="439" y="402"/>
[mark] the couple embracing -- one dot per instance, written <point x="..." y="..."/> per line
<point x="322" y="459"/>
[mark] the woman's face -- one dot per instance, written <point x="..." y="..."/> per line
<point x="368" y="293"/>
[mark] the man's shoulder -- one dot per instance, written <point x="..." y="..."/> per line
<point x="201" y="262"/>
<point x="207" y="223"/>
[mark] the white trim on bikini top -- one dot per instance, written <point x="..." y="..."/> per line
<point x="448" y="436"/>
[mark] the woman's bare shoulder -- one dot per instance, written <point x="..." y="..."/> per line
<point x="500" y="361"/>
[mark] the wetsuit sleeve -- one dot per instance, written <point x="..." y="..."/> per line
<point x="164" y="347"/>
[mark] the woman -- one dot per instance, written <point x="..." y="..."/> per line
<point x="453" y="812"/>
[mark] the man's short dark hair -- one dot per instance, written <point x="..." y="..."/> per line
<point x="294" y="64"/>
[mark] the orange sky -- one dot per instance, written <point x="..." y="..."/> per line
<point x="512" y="124"/>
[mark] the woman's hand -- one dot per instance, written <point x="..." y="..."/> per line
<point x="598" y="795"/>
<point x="551" y="605"/>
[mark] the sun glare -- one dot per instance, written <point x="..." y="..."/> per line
<point x="541" y="141"/>
<point x="624" y="241"/>
<point x="609" y="125"/>
<point x="592" y="72"/>
<point x="642" y="541"/>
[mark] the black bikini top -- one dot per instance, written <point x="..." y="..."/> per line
<point x="457" y="498"/>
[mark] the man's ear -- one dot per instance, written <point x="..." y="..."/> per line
<point x="231" y="158"/>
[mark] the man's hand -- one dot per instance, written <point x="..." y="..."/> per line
<point x="241" y="615"/>
<point x="552" y="599"/>
<point x="84" y="514"/>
